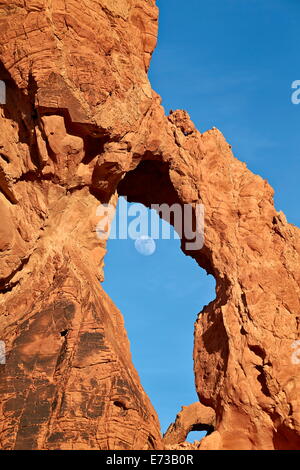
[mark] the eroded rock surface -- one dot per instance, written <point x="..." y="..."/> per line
<point x="80" y="126"/>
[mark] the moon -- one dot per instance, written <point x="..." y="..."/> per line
<point x="145" y="245"/>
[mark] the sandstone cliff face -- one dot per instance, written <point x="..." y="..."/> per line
<point x="80" y="126"/>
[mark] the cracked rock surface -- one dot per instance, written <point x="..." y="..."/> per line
<point x="81" y="126"/>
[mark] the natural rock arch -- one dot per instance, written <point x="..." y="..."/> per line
<point x="65" y="391"/>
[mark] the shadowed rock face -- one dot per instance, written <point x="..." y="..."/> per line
<point x="80" y="126"/>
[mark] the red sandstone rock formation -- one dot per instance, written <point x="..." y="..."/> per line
<point x="195" y="417"/>
<point x="81" y="125"/>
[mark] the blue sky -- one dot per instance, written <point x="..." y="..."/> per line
<point x="230" y="64"/>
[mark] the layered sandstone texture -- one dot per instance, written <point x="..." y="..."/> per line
<point x="81" y="125"/>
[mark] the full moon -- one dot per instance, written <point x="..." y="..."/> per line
<point x="145" y="245"/>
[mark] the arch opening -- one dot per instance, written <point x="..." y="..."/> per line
<point x="159" y="296"/>
<point x="150" y="183"/>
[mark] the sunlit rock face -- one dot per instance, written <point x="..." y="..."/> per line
<point x="81" y="125"/>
